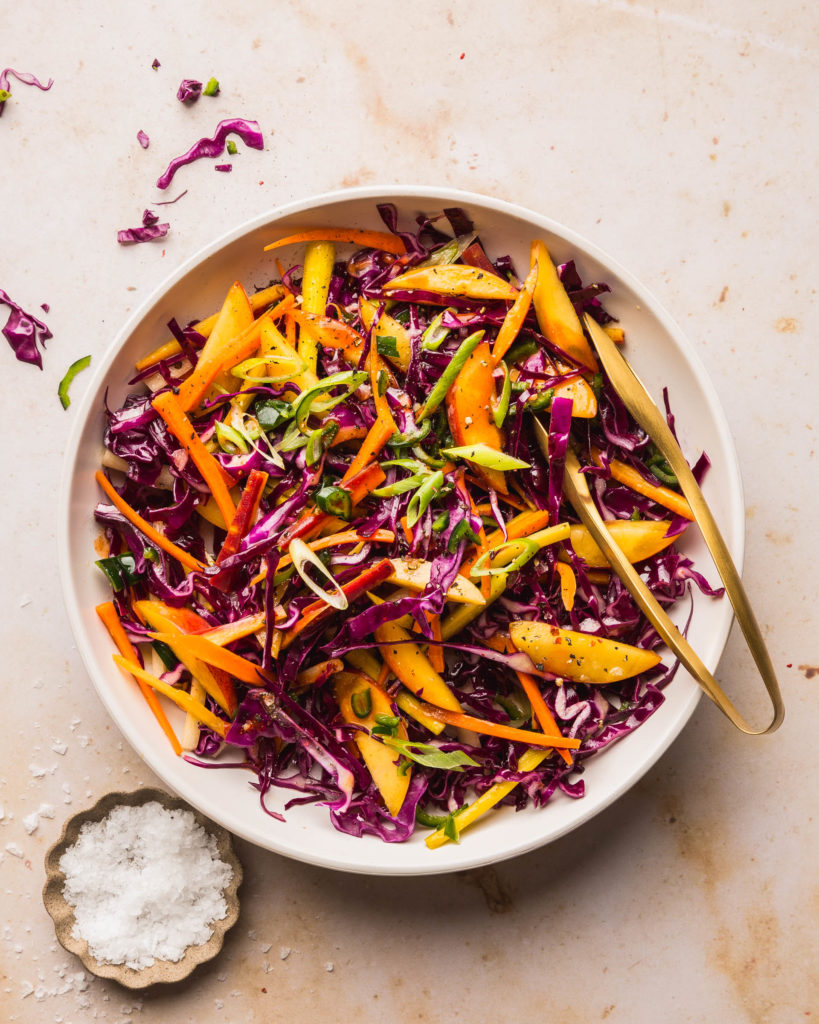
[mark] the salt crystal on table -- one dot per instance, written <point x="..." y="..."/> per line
<point x="46" y="811"/>
<point x="30" y="822"/>
<point x="145" y="883"/>
<point x="329" y="967"/>
<point x="59" y="747"/>
<point x="284" y="952"/>
<point x="37" y="771"/>
<point x="14" y="850"/>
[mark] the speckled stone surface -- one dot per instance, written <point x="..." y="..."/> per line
<point x="679" y="138"/>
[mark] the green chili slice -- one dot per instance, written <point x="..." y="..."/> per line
<point x="445" y="381"/>
<point x="336" y="501"/>
<point x="362" y="703"/>
<point x="76" y="367"/>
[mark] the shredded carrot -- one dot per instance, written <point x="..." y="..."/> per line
<point x="355" y="236"/>
<point x="194" y="388"/>
<point x="383" y="675"/>
<point x="170" y="409"/>
<point x="629" y="477"/>
<point x="407" y="529"/>
<point x="245" y="514"/>
<point x="184" y="700"/>
<point x="568" y="584"/>
<point x="328" y="332"/>
<point x="521" y="526"/>
<point x="481" y="548"/>
<point x="378" y="435"/>
<point x="195" y="645"/>
<point x="506" y="732"/>
<point x="108" y="613"/>
<point x="513" y="321"/>
<point x="146" y="528"/>
<point x="345" y="434"/>
<point x="541" y="710"/>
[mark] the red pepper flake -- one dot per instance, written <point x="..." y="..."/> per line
<point x="462" y="56"/>
<point x="789" y="665"/>
<point x="261" y="183"/>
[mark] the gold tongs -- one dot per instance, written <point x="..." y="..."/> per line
<point x="641" y="406"/>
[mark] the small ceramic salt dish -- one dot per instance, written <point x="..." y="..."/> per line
<point x="63" y="914"/>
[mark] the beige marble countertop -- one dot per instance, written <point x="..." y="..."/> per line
<point x="681" y="139"/>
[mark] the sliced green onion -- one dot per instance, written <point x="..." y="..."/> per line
<point x="527" y="547"/>
<point x="427" y="458"/>
<point x="423" y="496"/>
<point x="304" y="404"/>
<point x="445" y="381"/>
<point x="409" y="483"/>
<point x="315" y="446"/>
<point x="230" y="440"/>
<point x="293" y="439"/>
<point x="212" y="87"/>
<point x="231" y="147"/>
<point x="362" y="703"/>
<point x="336" y="501"/>
<point x="386" y="345"/>
<point x="76" y="367"/>
<point x="446" y="822"/>
<point x="482" y="455"/>
<point x="431" y="756"/>
<point x="516" y="705"/>
<point x="501" y="407"/>
<point x="435" y="335"/>
<point x="449" y="252"/>
<point x="245" y="368"/>
<point x="301" y="556"/>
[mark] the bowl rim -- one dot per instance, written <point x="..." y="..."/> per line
<point x="472" y="855"/>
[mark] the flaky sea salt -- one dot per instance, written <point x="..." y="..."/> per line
<point x="145" y="883"/>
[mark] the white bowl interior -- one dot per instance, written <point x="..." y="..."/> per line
<point x="661" y="355"/>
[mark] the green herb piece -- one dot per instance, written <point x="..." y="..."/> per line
<point x="166" y="655"/>
<point x="230" y="440"/>
<point x="76" y="367"/>
<point x="120" y="570"/>
<point x="435" y="335"/>
<point x="336" y="501"/>
<point x="636" y="516"/>
<point x="386" y="345"/>
<point x="445" y="381"/>
<point x="212" y="88"/>
<point x="362" y="703"/>
<point x="597" y="384"/>
<point x="231" y="147"/>
<point x="482" y="455"/>
<point x="272" y="412"/>
<point x="431" y="756"/>
<point x="420" y="501"/>
<point x="401" y="315"/>
<point x="383" y="382"/>
<point x="451" y="830"/>
<point x="441" y="522"/>
<point x="462" y="531"/>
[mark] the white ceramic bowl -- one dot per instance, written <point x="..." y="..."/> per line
<point x="659" y="352"/>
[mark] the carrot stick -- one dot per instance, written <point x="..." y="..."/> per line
<point x="355" y="588"/>
<point x="513" y="321"/>
<point x="194" y="388"/>
<point x="480" y="548"/>
<point x="521" y="526"/>
<point x="170" y="409"/>
<point x="245" y="514"/>
<point x="378" y="435"/>
<point x="568" y="584"/>
<point x="355" y="236"/>
<point x="541" y="709"/>
<point x="330" y="333"/>
<point x="184" y="700"/>
<point x="195" y="645"/>
<point x="629" y="477"/>
<point x="505" y="732"/>
<point x="145" y="527"/>
<point x="108" y="613"/>
<point x="172" y="348"/>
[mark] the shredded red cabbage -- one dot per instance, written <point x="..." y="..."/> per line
<point x="189" y="90"/>
<point x="24" y="332"/>
<point x="143" y="139"/>
<point x="149" y="231"/>
<point x="21" y="76"/>
<point x="248" y="131"/>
